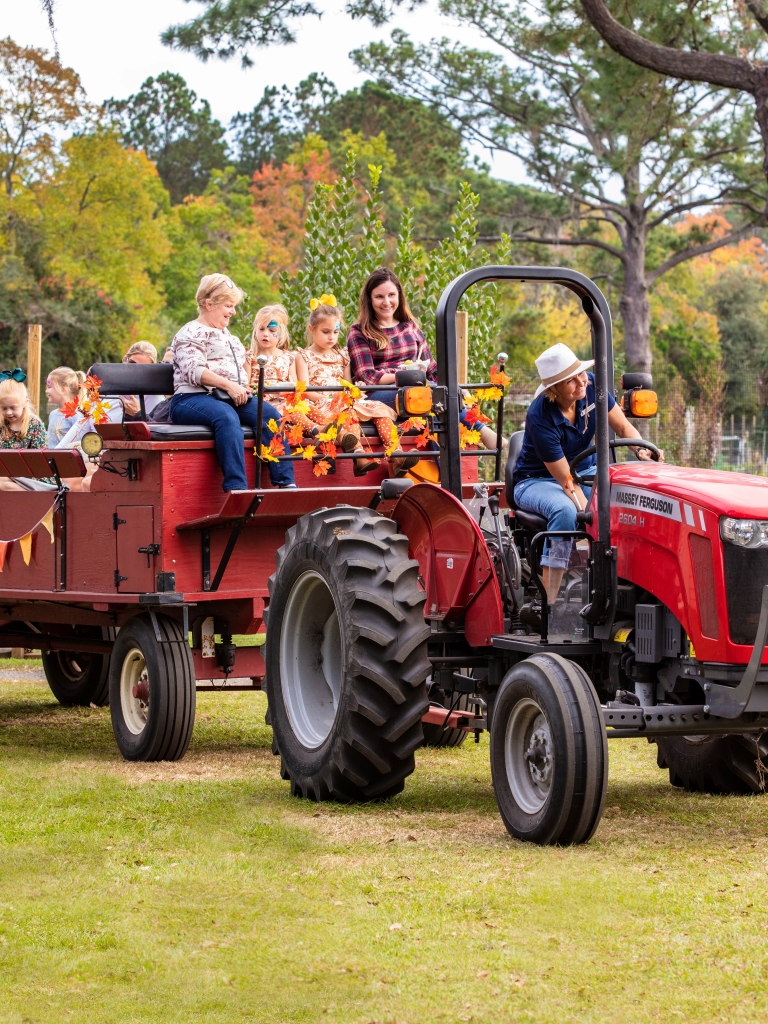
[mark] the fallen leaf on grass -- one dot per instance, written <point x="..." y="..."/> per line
<point x="395" y="927"/>
<point x="483" y="974"/>
<point x="517" y="980"/>
<point x="412" y="839"/>
<point x="489" y="925"/>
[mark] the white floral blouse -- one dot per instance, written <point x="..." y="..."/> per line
<point x="196" y="348"/>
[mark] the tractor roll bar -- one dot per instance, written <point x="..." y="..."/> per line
<point x="595" y="306"/>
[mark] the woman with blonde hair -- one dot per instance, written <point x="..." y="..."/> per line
<point x="208" y="359"/>
<point x="62" y="386"/>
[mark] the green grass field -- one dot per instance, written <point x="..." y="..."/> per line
<point x="201" y="891"/>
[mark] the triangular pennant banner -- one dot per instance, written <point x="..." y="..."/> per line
<point x="26" y="547"/>
<point x="3" y="549"/>
<point x="47" y="522"/>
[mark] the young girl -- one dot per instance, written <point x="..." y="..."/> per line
<point x="270" y="338"/>
<point x="323" y="363"/>
<point x="19" y="426"/>
<point x="62" y="386"/>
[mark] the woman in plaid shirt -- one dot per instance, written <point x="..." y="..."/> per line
<point x="385" y="336"/>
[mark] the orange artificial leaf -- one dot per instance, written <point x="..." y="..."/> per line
<point x="473" y="415"/>
<point x="276" y="445"/>
<point x="295" y="434"/>
<point x="423" y="439"/>
<point x="328" y="448"/>
<point x="71" y="407"/>
<point x="499" y="378"/>
<point x="321" y="468"/>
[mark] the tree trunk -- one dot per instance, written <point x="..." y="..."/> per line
<point x="634" y="306"/>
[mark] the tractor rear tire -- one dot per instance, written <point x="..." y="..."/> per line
<point x="79" y="680"/>
<point x="346" y="656"/>
<point x="715" y="764"/>
<point x="436" y="735"/>
<point x="152" y="690"/>
<point x="549" y="752"/>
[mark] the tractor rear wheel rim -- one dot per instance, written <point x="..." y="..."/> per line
<point x="529" y="755"/>
<point x="134" y="691"/>
<point x="311" y="659"/>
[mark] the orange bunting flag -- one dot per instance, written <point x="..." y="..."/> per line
<point x="47" y="522"/>
<point x="25" y="543"/>
<point x="3" y="549"/>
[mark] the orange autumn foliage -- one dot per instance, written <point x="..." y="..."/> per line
<point x="281" y="196"/>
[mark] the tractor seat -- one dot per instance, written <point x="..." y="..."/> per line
<point x="530" y="520"/>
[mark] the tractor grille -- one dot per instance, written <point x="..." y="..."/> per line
<point x="746" y="573"/>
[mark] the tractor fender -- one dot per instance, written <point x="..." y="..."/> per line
<point x="454" y="562"/>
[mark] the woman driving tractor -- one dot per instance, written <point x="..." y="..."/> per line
<point x="560" y="424"/>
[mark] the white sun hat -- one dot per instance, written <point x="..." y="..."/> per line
<point x="557" y="364"/>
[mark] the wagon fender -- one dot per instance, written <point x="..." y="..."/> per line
<point x="454" y="561"/>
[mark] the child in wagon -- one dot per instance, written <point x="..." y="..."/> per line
<point x="323" y="362"/>
<point x="270" y="338"/>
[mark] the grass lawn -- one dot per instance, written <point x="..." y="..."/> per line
<point x="201" y="891"/>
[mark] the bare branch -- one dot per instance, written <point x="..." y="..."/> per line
<point x="715" y="68"/>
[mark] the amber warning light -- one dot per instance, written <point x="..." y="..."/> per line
<point x="638" y="400"/>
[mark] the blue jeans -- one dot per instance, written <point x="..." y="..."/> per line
<point x="545" y="497"/>
<point x="225" y="419"/>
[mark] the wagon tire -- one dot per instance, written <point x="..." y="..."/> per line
<point x="152" y="690"/>
<point x="549" y="752"/>
<point x="78" y="679"/>
<point x="346" y="656"/>
<point x="726" y="765"/>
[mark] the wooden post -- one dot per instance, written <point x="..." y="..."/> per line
<point x="34" y="355"/>
<point x="462" y="345"/>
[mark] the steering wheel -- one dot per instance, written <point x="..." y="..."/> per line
<point x="618" y="442"/>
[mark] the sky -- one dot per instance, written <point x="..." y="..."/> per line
<point x="114" y="45"/>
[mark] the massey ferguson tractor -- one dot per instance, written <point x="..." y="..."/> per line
<point x="391" y="608"/>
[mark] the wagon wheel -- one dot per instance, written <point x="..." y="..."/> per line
<point x="549" y="752"/>
<point x="346" y="656"/>
<point x="78" y="679"/>
<point x="152" y="690"/>
<point x="715" y="764"/>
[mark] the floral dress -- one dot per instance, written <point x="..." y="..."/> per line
<point x="35" y="437"/>
<point x="328" y="368"/>
<point x="277" y="371"/>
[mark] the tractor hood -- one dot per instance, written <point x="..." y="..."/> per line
<point x="726" y="494"/>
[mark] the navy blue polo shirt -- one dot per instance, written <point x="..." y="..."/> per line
<point x="549" y="436"/>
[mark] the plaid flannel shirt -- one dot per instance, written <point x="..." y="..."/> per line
<point x="369" y="362"/>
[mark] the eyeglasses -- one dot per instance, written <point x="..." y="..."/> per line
<point x="18" y="375"/>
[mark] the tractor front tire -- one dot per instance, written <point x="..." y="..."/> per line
<point x="715" y="764"/>
<point x="152" y="690"/>
<point x="346" y="656"/>
<point x="549" y="752"/>
<point x="79" y="680"/>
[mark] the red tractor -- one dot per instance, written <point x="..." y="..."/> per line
<point x="391" y="608"/>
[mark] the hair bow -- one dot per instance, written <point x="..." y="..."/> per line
<point x="324" y="300"/>
<point x="17" y="375"/>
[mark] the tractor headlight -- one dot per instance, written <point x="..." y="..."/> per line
<point x="747" y="533"/>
